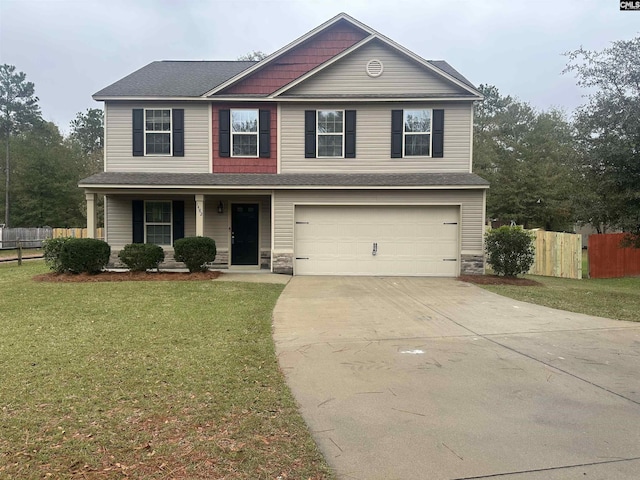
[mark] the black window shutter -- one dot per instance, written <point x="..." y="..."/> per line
<point x="178" y="219"/>
<point x="225" y="133"/>
<point x="350" y="134"/>
<point x="138" y="132"/>
<point x="137" y="215"/>
<point x="265" y="133"/>
<point x="396" y="133"/>
<point x="309" y="134"/>
<point x="178" y="132"/>
<point x="438" y="134"/>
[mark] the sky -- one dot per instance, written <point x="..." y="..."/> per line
<point x="70" y="49"/>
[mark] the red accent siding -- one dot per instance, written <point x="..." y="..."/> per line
<point x="240" y="164"/>
<point x="295" y="63"/>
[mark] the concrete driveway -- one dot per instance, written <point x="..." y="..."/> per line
<point x="419" y="378"/>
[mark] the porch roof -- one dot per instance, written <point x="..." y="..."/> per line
<point x="283" y="180"/>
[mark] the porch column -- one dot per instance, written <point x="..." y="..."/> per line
<point x="91" y="215"/>
<point x="199" y="215"/>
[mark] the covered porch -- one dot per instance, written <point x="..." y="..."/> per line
<point x="240" y="222"/>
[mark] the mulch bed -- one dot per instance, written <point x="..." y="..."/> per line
<point x="499" y="280"/>
<point x="126" y="277"/>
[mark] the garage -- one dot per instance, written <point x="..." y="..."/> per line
<point x="404" y="240"/>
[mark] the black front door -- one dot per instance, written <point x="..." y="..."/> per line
<point x="244" y="234"/>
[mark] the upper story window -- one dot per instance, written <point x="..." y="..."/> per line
<point x="330" y="133"/>
<point x="244" y="133"/>
<point x="157" y="132"/>
<point x="417" y="133"/>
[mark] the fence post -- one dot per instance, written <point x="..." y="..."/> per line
<point x="19" y="245"/>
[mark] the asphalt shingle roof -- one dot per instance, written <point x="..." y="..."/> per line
<point x="143" y="179"/>
<point x="170" y="78"/>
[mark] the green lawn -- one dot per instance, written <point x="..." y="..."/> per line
<point x="25" y="252"/>
<point x="171" y="380"/>
<point x="617" y="298"/>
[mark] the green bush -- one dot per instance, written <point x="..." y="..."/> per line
<point x="510" y="250"/>
<point x="52" y="248"/>
<point x="79" y="255"/>
<point x="195" y="252"/>
<point x="140" y="257"/>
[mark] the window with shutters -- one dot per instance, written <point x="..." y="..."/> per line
<point x="244" y="133"/>
<point x="417" y="133"/>
<point x="157" y="132"/>
<point x="157" y="222"/>
<point x="330" y="133"/>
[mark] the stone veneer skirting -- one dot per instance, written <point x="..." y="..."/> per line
<point x="283" y="263"/>
<point x="472" y="264"/>
<point x="221" y="261"/>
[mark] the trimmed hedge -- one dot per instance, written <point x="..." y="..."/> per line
<point x="52" y="248"/>
<point x="140" y="257"/>
<point x="510" y="250"/>
<point x="195" y="252"/>
<point x="84" y="255"/>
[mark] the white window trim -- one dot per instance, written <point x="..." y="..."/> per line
<point x="430" y="133"/>
<point x="318" y="134"/>
<point x="257" y="134"/>
<point x="170" y="154"/>
<point x="157" y="223"/>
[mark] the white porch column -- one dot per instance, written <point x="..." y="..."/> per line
<point x="199" y="215"/>
<point x="91" y="215"/>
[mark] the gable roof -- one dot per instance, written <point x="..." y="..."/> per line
<point x="171" y="78"/>
<point x="205" y="79"/>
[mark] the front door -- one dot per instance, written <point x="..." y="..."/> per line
<point x="244" y="234"/>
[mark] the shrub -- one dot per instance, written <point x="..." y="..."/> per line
<point x="89" y="255"/>
<point x="140" y="257"/>
<point x="52" y="248"/>
<point x="510" y="250"/>
<point x="195" y="252"/>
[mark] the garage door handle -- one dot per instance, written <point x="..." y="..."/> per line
<point x="375" y="249"/>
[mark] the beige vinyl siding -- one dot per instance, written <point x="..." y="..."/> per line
<point x="119" y="138"/>
<point x="400" y="75"/>
<point x="373" y="140"/>
<point x="470" y="201"/>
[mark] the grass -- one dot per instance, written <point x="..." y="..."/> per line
<point x="25" y="251"/>
<point x="153" y="380"/>
<point x="617" y="298"/>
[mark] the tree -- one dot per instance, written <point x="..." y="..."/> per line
<point x="528" y="157"/>
<point x="87" y="130"/>
<point x="19" y="111"/>
<point x="253" y="56"/>
<point x="608" y="130"/>
<point x="45" y="185"/>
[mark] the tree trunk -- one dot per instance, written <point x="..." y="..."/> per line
<point x="6" y="193"/>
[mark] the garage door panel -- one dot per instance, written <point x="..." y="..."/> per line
<point x="411" y="240"/>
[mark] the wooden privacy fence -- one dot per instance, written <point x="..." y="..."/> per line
<point x="33" y="237"/>
<point x="557" y="254"/>
<point x="75" y="232"/>
<point x="608" y="260"/>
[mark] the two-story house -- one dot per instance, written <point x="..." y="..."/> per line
<point x="342" y="153"/>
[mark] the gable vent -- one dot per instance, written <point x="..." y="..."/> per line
<point x="374" y="68"/>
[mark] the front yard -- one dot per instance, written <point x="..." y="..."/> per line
<point x="144" y="380"/>
<point x="617" y="298"/>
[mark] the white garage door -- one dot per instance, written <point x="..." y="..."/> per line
<point x="376" y="240"/>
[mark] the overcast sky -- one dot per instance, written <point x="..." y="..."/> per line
<point x="71" y="49"/>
